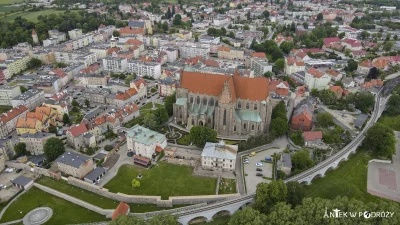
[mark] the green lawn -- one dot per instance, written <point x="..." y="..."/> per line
<point x="149" y="105"/>
<point x="185" y="140"/>
<point x="10" y="2"/>
<point x="64" y="212"/>
<point x="6" y="8"/>
<point x="164" y="180"/>
<point x="4" y="108"/>
<point x="31" y="16"/>
<point x="391" y="121"/>
<point x="227" y="186"/>
<point x="349" y="179"/>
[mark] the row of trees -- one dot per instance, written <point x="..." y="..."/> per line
<point x="53" y="148"/>
<point x="279" y="120"/>
<point x="364" y="101"/>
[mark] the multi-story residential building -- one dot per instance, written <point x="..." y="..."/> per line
<point x="15" y="64"/>
<point x="35" y="142"/>
<point x="45" y="55"/>
<point x="139" y="84"/>
<point x="122" y="98"/>
<point x="60" y="107"/>
<point x="150" y="69"/>
<point x="219" y="156"/>
<point x="189" y="50"/>
<point x="260" y="66"/>
<point x="335" y="75"/>
<point x="205" y="39"/>
<point x="75" y="34"/>
<point x="232" y="105"/>
<point x="58" y="35"/>
<point x="6" y="148"/>
<point x="100" y="50"/>
<point x="145" y="142"/>
<point x="31" y="99"/>
<point x="78" y="136"/>
<point x="4" y="74"/>
<point x="69" y="56"/>
<point x="115" y="64"/>
<point x="49" y="84"/>
<point x="96" y="95"/>
<point x="8" y="120"/>
<point x="316" y="79"/>
<point x="29" y="125"/>
<point x="292" y="65"/>
<point x="74" y="164"/>
<point x="92" y="80"/>
<point x="7" y="93"/>
<point x="302" y="118"/>
<point x="167" y="86"/>
<point x="230" y="53"/>
<point x="172" y="53"/>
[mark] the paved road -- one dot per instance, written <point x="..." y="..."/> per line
<point x="123" y="159"/>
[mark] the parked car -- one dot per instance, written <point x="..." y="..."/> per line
<point x="259" y="174"/>
<point x="268" y="159"/>
<point x="259" y="169"/>
<point x="259" y="164"/>
<point x="18" y="170"/>
<point x="252" y="154"/>
<point x="246" y="162"/>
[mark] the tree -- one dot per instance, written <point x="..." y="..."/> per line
<point x="247" y="216"/>
<point x="74" y="103"/>
<point x="297" y="138"/>
<point x="177" y="20"/>
<point x="341" y="35"/>
<point x="279" y="64"/>
<point x="325" y="119"/>
<point x="169" y="103"/>
<point x="129" y="78"/>
<point x="231" y="34"/>
<point x="388" y="46"/>
<point x="266" y="14"/>
<point x="150" y="121"/>
<point x="351" y="65"/>
<point x="246" y="27"/>
<point x="380" y="140"/>
<point x="116" y="33"/>
<point x="320" y="16"/>
<point x="268" y="74"/>
<point x="279" y="127"/>
<point x="365" y="34"/>
<point x="279" y="111"/>
<point x="128" y="220"/>
<point x="286" y="46"/>
<point x="199" y="135"/>
<point x="66" y="119"/>
<point x="135" y="183"/>
<point x="20" y="149"/>
<point x="165" y="26"/>
<point x="34" y="63"/>
<point x="52" y="129"/>
<point x="87" y="103"/>
<point x="163" y="219"/>
<point x="267" y="195"/>
<point x="301" y="161"/>
<point x="23" y="89"/>
<point x="373" y="73"/>
<point x="327" y="96"/>
<point x="395" y="37"/>
<point x="364" y="101"/>
<point x="161" y="115"/>
<point x="392" y="107"/>
<point x="53" y="148"/>
<point x="276" y="54"/>
<point x="295" y="193"/>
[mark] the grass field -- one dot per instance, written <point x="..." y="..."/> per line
<point x="95" y="199"/>
<point x="9" y="2"/>
<point x="185" y="140"/>
<point x="149" y="105"/>
<point x="164" y="180"/>
<point x="5" y="8"/>
<point x="391" y="121"/>
<point x="31" y="16"/>
<point x="227" y="186"/>
<point x="349" y="179"/>
<point x="64" y="212"/>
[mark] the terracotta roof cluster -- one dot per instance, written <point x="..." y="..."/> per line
<point x="312" y="50"/>
<point x="292" y="61"/>
<point x="59" y="72"/>
<point x="126" y="95"/>
<point x="280" y="38"/>
<point x="301" y="55"/>
<point x="194" y="60"/>
<point x="26" y="122"/>
<point x="128" y="31"/>
<point x="315" y="73"/>
<point x="92" y="68"/>
<point x="78" y="129"/>
<point x="133" y="42"/>
<point x="336" y="89"/>
<point x="224" y="49"/>
<point x="122" y="209"/>
<point x="255" y="89"/>
<point x="110" y="51"/>
<point x="59" y="95"/>
<point x="212" y="63"/>
<point x="312" y="135"/>
<point x="328" y="41"/>
<point x="359" y="53"/>
<point x="12" y="113"/>
<point x="332" y="72"/>
<point x="352" y="42"/>
<point x="279" y="87"/>
<point x="146" y="59"/>
<point x="379" y="63"/>
<point x="261" y="55"/>
<point x="372" y="83"/>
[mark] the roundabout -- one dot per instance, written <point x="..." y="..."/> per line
<point x="38" y="216"/>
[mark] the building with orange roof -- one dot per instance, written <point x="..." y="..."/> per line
<point x="8" y="120"/>
<point x="280" y="38"/>
<point x="302" y="117"/>
<point x="121" y="98"/>
<point x="140" y="85"/>
<point x="232" y="105"/>
<point x="338" y="91"/>
<point x="29" y="125"/>
<point x="122" y="209"/>
<point x="230" y="53"/>
<point x="259" y="55"/>
<point x="334" y="74"/>
<point x="278" y="89"/>
<point x="78" y="136"/>
<point x="292" y="65"/>
<point x="374" y="83"/>
<point x="127" y="31"/>
<point x="316" y="79"/>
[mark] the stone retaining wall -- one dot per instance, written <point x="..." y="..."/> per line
<point x="143" y="199"/>
<point x="35" y="170"/>
<point x="186" y="162"/>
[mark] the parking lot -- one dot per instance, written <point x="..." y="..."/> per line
<point x="250" y="169"/>
<point x="10" y="190"/>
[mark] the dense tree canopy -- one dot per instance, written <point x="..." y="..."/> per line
<point x="169" y="102"/>
<point x="301" y="161"/>
<point x="297" y="138"/>
<point x="325" y="119"/>
<point x="199" y="135"/>
<point x="380" y="140"/>
<point x="267" y="195"/>
<point x="295" y="193"/>
<point x="327" y="96"/>
<point x="53" y="148"/>
<point x="393" y="105"/>
<point x="160" y="219"/>
<point x="20" y="149"/>
<point x="247" y="216"/>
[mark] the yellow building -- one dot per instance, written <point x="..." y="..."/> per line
<point x="16" y="64"/>
<point x="28" y="125"/>
<point x="59" y="110"/>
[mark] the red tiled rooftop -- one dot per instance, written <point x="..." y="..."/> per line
<point x="312" y="135"/>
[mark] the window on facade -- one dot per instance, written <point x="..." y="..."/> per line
<point x="258" y="127"/>
<point x="231" y="166"/>
<point x="198" y="100"/>
<point x="247" y="106"/>
<point x="192" y="121"/>
<point x="209" y="120"/>
<point x="204" y="101"/>
<point x="211" y="102"/>
<point x="191" y="99"/>
<point x="252" y="127"/>
<point x="224" y="119"/>
<point x="255" y="106"/>
<point x="244" y="126"/>
<point x="239" y="105"/>
<point x="234" y="128"/>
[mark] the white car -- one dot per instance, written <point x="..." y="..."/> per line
<point x="259" y="164"/>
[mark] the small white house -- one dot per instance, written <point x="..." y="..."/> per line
<point x="219" y="156"/>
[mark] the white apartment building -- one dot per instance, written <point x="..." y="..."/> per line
<point x="31" y="99"/>
<point x="99" y="50"/>
<point x="219" y="156"/>
<point x="172" y="53"/>
<point x="260" y="66"/>
<point x="144" y="142"/>
<point x="7" y="93"/>
<point x="8" y="120"/>
<point x="87" y="58"/>
<point x="316" y="79"/>
<point x="115" y="64"/>
<point x="74" y="34"/>
<point x="190" y="50"/>
<point x="150" y="69"/>
<point x="35" y="142"/>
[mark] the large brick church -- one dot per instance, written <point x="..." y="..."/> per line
<point x="232" y="105"/>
